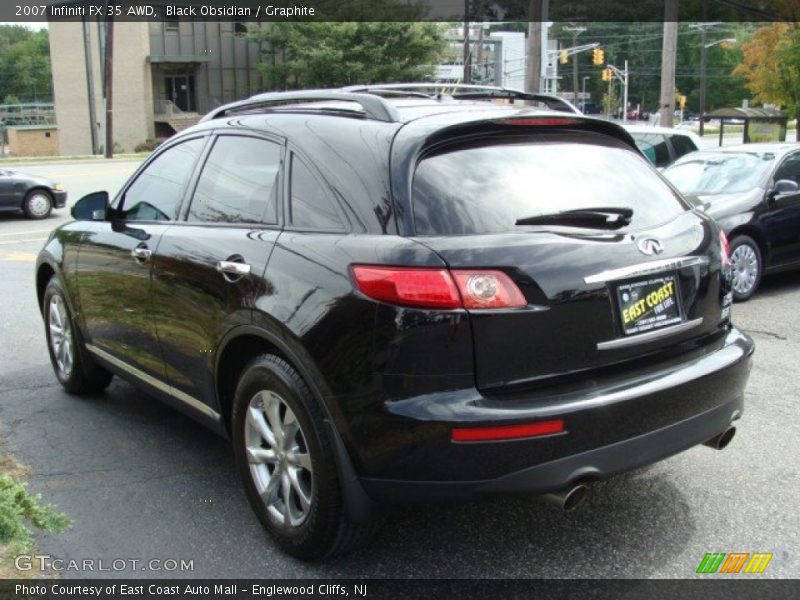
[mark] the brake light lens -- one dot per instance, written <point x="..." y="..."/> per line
<point x="429" y="288"/>
<point x="507" y="432"/>
<point x="438" y="288"/>
<point x="542" y="121"/>
<point x="725" y="251"/>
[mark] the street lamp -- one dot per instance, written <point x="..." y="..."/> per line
<point x="583" y="93"/>
<point x="703" y="47"/>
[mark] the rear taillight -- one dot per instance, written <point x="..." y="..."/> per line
<point x="725" y="251"/>
<point x="438" y="288"/>
<point x="488" y="289"/>
<point x="430" y="288"/>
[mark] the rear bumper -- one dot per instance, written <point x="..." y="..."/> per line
<point x="612" y="427"/>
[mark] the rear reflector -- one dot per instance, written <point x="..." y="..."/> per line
<point x="507" y="432"/>
<point x="541" y="121"/>
<point x="438" y="288"/>
<point x="431" y="288"/>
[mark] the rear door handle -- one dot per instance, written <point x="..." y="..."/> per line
<point x="233" y="270"/>
<point x="141" y="253"/>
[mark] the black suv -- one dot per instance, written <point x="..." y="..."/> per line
<point x="387" y="294"/>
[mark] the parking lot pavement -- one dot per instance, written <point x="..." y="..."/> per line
<point x="140" y="481"/>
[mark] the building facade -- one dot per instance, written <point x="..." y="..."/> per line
<point x="166" y="75"/>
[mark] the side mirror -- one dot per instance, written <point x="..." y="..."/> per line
<point x="786" y="186"/>
<point x="92" y="207"/>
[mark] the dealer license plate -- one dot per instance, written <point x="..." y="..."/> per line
<point x="649" y="304"/>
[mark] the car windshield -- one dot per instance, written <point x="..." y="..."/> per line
<point x="720" y="172"/>
<point x="503" y="185"/>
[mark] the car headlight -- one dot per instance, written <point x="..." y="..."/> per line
<point x="58" y="187"/>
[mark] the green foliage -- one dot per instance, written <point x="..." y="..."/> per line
<point x="25" y="64"/>
<point x="309" y="55"/>
<point x="17" y="507"/>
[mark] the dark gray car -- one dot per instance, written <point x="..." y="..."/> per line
<point x="34" y="195"/>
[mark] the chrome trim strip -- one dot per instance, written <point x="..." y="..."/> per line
<point x="649" y="336"/>
<point x="648" y="268"/>
<point x="167" y="389"/>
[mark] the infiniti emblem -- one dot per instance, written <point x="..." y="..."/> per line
<point x="650" y="245"/>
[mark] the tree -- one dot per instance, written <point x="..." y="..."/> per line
<point x="333" y="54"/>
<point x="25" y="64"/>
<point x="771" y="67"/>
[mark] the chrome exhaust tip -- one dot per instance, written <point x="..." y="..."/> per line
<point x="720" y="441"/>
<point x="569" y="498"/>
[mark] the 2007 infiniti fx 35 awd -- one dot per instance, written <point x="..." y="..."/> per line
<point x="385" y="295"/>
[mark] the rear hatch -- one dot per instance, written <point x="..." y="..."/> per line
<point x="615" y="268"/>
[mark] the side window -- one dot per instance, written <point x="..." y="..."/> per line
<point x="238" y="182"/>
<point x="654" y="147"/>
<point x="682" y="144"/>
<point x="156" y="193"/>
<point x="311" y="205"/>
<point x="789" y="169"/>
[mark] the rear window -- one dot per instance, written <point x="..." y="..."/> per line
<point x="486" y="188"/>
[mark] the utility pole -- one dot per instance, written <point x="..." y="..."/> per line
<point x="109" y="81"/>
<point x="625" y="95"/>
<point x="575" y="31"/>
<point x="537" y="9"/>
<point x="669" y="49"/>
<point x="87" y="55"/>
<point x="467" y="66"/>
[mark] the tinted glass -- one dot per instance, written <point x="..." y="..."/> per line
<point x="238" y="182"/>
<point x="158" y="190"/>
<point x="311" y="206"/>
<point x="789" y="169"/>
<point x="709" y="173"/>
<point x="486" y="189"/>
<point x="682" y="144"/>
<point x="654" y="147"/>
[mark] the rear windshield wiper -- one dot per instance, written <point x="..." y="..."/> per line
<point x="590" y="218"/>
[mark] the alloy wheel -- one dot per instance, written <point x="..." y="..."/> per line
<point x="744" y="262"/>
<point x="61" y="342"/>
<point x="279" y="459"/>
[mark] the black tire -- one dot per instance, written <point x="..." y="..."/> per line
<point x="749" y="259"/>
<point x="83" y="376"/>
<point x="38" y="204"/>
<point x="326" y="531"/>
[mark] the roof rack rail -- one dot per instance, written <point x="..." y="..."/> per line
<point x="373" y="105"/>
<point x="467" y="90"/>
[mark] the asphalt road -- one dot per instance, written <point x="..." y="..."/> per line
<point x="140" y="481"/>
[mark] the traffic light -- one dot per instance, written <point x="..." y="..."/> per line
<point x="563" y="57"/>
<point x="608" y="74"/>
<point x="598" y="56"/>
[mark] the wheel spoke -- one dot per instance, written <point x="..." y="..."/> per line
<point x="300" y="459"/>
<point x="270" y="493"/>
<point x="272" y="409"/>
<point x="255" y="416"/>
<point x="257" y="456"/>
<point x="286" y="489"/>
<point x="305" y="499"/>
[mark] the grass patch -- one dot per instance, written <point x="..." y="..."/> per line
<point x="20" y="513"/>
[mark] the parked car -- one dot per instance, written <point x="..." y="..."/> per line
<point x="402" y="299"/>
<point x="35" y="196"/>
<point x="752" y="191"/>
<point x="662" y="145"/>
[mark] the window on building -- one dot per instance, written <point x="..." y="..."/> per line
<point x="171" y="25"/>
<point x="238" y="183"/>
<point x="157" y="191"/>
<point x="311" y="205"/>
